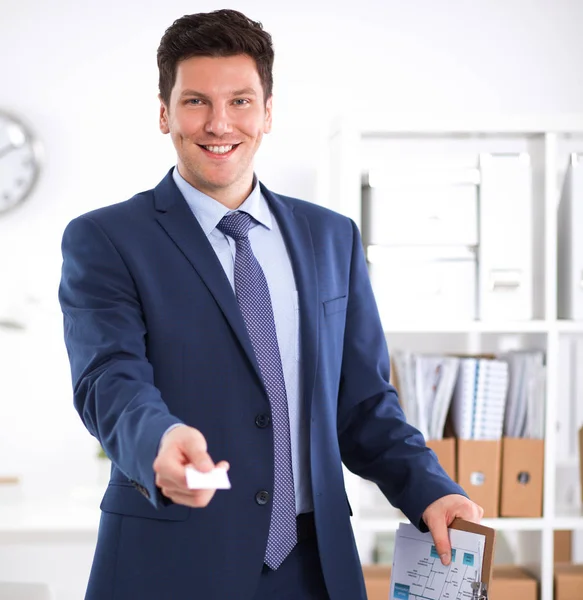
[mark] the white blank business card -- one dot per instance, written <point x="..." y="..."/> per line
<point x="217" y="479"/>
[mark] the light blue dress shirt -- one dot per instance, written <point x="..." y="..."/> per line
<point x="270" y="250"/>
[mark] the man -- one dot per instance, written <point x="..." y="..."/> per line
<point x="211" y="319"/>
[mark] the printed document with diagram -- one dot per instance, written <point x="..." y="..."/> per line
<point x="418" y="573"/>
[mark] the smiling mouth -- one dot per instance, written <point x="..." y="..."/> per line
<point x="222" y="150"/>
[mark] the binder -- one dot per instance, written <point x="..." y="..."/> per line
<point x="478" y="472"/>
<point x="506" y="237"/>
<point x="417" y="567"/>
<point x="482" y="587"/>
<point x="479" y="399"/>
<point x="570" y="243"/>
<point x="521" y="488"/>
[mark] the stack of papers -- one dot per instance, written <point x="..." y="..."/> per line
<point x="426" y="385"/>
<point x="417" y="570"/>
<point x="525" y="403"/>
<point x="479" y="399"/>
<point x="488" y="397"/>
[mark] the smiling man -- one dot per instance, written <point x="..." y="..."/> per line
<point x="210" y="319"/>
<point x="216" y="113"/>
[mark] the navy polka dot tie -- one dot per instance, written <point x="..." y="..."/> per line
<point x="255" y="304"/>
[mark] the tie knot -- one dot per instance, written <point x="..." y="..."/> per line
<point x="235" y="225"/>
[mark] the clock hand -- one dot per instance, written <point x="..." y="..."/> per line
<point x="6" y="150"/>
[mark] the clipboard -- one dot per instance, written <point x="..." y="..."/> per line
<point x="482" y="588"/>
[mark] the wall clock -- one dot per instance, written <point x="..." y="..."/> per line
<point x="19" y="162"/>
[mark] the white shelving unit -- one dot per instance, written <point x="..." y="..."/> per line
<point x="354" y="147"/>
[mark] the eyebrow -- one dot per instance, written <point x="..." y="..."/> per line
<point x="248" y="91"/>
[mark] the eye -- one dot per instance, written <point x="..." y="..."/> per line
<point x="241" y="102"/>
<point x="194" y="101"/>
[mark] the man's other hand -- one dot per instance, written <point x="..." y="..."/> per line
<point x="179" y="447"/>
<point x="439" y="515"/>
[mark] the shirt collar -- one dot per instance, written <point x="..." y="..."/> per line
<point x="209" y="211"/>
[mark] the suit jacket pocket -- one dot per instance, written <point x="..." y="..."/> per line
<point x="335" y="305"/>
<point x="124" y="499"/>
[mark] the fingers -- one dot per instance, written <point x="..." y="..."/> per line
<point x="470" y="512"/>
<point x="179" y="447"/>
<point x="467" y="510"/>
<point x="191" y="498"/>
<point x="195" y="450"/>
<point x="188" y="446"/>
<point x="440" y="514"/>
<point x="479" y="515"/>
<point x="440" y="536"/>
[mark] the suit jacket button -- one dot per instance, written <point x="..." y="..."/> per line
<point x="262" y="421"/>
<point x="262" y="497"/>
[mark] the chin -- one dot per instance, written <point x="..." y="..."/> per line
<point x="218" y="183"/>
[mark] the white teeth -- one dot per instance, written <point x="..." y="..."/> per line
<point x="218" y="149"/>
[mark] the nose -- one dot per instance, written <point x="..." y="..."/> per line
<point x="218" y="122"/>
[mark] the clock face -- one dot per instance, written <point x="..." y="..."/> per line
<point x="19" y="162"/>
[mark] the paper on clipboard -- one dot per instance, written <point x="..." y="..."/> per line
<point x="418" y="573"/>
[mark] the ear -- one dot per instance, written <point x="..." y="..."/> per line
<point x="164" y="117"/>
<point x="268" y="115"/>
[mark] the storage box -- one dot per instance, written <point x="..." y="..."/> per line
<point x="568" y="582"/>
<point x="441" y="282"/>
<point x="563" y="543"/>
<point x="377" y="580"/>
<point x="445" y="451"/>
<point x="512" y="583"/>
<point x="508" y="583"/>
<point x="478" y="465"/>
<point x="419" y="211"/>
<point x="521" y="492"/>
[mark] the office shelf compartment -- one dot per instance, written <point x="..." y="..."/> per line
<point x="411" y="159"/>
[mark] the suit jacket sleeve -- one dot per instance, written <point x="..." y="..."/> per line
<point x="375" y="440"/>
<point x="113" y="381"/>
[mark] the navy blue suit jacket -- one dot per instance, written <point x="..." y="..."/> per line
<point x="155" y="336"/>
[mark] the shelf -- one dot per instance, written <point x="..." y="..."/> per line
<point x="480" y="124"/>
<point x="384" y="520"/>
<point x="392" y="524"/>
<point x="564" y="326"/>
<point x="436" y="326"/>
<point x="570" y="518"/>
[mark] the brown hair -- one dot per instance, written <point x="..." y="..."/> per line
<point x="219" y="34"/>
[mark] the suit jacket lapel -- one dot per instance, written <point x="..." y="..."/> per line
<point x="298" y="240"/>
<point x="175" y="216"/>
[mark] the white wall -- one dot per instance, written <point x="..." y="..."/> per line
<point x="83" y="75"/>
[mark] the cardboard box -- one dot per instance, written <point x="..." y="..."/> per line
<point x="512" y="583"/>
<point x="445" y="451"/>
<point x="377" y="580"/>
<point x="563" y="544"/>
<point x="568" y="582"/>
<point x="478" y="466"/>
<point x="508" y="583"/>
<point x="521" y="492"/>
